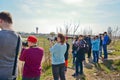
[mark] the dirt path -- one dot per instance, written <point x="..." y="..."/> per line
<point x="91" y="73"/>
<point x="69" y="74"/>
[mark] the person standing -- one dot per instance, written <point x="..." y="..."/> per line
<point x="58" y="60"/>
<point x="95" y="49"/>
<point x="32" y="58"/>
<point x="74" y="49"/>
<point x="105" y="41"/>
<point x="80" y="56"/>
<point x="66" y="54"/>
<point x="8" y="43"/>
<point x="88" y="40"/>
<point x="101" y="46"/>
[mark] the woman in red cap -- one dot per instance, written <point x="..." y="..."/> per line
<point x="32" y="58"/>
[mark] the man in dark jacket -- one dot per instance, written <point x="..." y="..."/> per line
<point x="80" y="56"/>
<point x="100" y="51"/>
<point x="105" y="41"/>
<point x="88" y="40"/>
<point x="66" y="54"/>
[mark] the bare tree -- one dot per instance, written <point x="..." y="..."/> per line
<point x="67" y="28"/>
<point x="109" y="30"/>
<point x="116" y="32"/>
<point x="75" y="28"/>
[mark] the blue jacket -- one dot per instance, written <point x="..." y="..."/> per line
<point x="58" y="52"/>
<point x="95" y="45"/>
<point x="105" y="40"/>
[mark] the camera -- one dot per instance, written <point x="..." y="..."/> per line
<point x="52" y="39"/>
<point x="25" y="44"/>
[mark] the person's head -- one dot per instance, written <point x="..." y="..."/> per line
<point x="100" y="35"/>
<point x="32" y="40"/>
<point x="96" y="37"/>
<point x="89" y="36"/>
<point x="5" y="18"/>
<point x="105" y="33"/>
<point x="81" y="37"/>
<point x="61" y="38"/>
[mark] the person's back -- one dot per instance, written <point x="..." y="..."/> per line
<point x="32" y="58"/>
<point x="95" y="45"/>
<point x="8" y="44"/>
<point x="58" y="60"/>
<point x="58" y="52"/>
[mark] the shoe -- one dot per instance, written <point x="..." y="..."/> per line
<point x="75" y="75"/>
<point x="105" y="59"/>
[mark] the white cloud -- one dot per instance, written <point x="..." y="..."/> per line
<point x="72" y="1"/>
<point x="53" y="14"/>
<point x="26" y="8"/>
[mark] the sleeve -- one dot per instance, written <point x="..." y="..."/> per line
<point x="42" y="53"/>
<point x="20" y="45"/>
<point x="23" y="55"/>
<point x="53" y="49"/>
<point x="94" y="41"/>
<point x="105" y="39"/>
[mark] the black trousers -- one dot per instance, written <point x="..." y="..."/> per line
<point x="89" y="52"/>
<point x="59" y="71"/>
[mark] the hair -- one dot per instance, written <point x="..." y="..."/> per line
<point x="62" y="38"/>
<point x="6" y="16"/>
<point x="89" y="35"/>
<point x="81" y="36"/>
<point x="105" y="32"/>
<point x="96" y="36"/>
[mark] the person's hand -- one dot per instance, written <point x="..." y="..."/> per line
<point x="51" y="43"/>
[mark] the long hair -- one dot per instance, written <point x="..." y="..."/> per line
<point x="62" y="38"/>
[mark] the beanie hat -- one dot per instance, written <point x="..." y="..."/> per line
<point x="32" y="39"/>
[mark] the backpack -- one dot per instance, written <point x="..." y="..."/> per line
<point x="109" y="40"/>
<point x="86" y="47"/>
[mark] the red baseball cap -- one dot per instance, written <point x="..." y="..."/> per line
<point x="32" y="39"/>
<point x="66" y="37"/>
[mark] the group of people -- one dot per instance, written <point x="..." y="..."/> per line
<point x="89" y="44"/>
<point x="32" y="55"/>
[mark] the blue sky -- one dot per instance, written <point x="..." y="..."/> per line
<point x="49" y="14"/>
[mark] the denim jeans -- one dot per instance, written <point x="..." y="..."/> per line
<point x="58" y="71"/>
<point x="79" y="67"/>
<point x="95" y="56"/>
<point x="105" y="51"/>
<point x="35" y="78"/>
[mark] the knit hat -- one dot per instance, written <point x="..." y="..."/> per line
<point x="32" y="39"/>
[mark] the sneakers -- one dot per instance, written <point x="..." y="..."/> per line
<point x="75" y="75"/>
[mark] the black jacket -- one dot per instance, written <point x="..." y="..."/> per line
<point x="66" y="53"/>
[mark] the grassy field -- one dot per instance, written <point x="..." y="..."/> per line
<point x="101" y="71"/>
